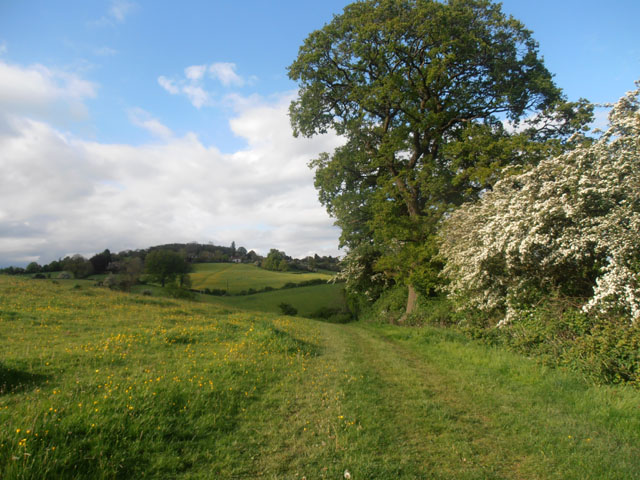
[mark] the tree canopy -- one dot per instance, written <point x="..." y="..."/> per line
<point x="165" y="265"/>
<point x="420" y="90"/>
<point x="276" y="260"/>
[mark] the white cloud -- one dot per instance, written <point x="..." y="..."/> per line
<point x="38" y="90"/>
<point x="81" y="196"/>
<point x="119" y="9"/>
<point x="118" y="12"/>
<point x="143" y="119"/>
<point x="196" y="95"/>
<point x="105" y="51"/>
<point x="195" y="72"/>
<point x="193" y="84"/>
<point x="3" y="48"/>
<point x="168" y="85"/>
<point x="226" y="74"/>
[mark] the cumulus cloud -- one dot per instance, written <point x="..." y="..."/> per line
<point x="190" y="88"/>
<point x="143" y="119"/>
<point x="168" y="85"/>
<point x="193" y="84"/>
<point x="196" y="95"/>
<point x="41" y="91"/>
<point x="81" y="196"/>
<point x="195" y="72"/>
<point x="226" y="74"/>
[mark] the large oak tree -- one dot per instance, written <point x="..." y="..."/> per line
<point x="420" y="90"/>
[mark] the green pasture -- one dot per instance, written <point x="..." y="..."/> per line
<point x="107" y="385"/>
<point x="307" y="300"/>
<point x="236" y="277"/>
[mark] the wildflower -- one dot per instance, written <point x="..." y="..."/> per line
<point x="347" y="474"/>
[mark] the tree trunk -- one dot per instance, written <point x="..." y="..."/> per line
<point x="411" y="304"/>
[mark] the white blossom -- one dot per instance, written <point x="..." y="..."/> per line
<point x="573" y="218"/>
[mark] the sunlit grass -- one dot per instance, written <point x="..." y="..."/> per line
<point x="101" y="384"/>
<point x="307" y="300"/>
<point x="113" y="384"/>
<point x="235" y="278"/>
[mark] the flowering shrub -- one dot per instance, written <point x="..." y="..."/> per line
<point x="569" y="226"/>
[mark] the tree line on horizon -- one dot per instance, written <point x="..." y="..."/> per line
<point x="133" y="260"/>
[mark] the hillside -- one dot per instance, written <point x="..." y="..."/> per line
<point x="235" y="278"/>
<point x="100" y="384"/>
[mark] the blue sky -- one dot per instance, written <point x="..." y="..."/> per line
<point x="125" y="124"/>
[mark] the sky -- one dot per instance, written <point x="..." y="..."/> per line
<point x="126" y="124"/>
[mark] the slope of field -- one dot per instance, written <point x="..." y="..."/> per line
<point x="236" y="277"/>
<point x="307" y="300"/>
<point x="98" y="384"/>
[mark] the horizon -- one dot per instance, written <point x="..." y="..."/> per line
<point x="127" y="124"/>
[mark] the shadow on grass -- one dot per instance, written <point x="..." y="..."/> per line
<point x="12" y="380"/>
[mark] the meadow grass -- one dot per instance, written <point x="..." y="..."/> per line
<point x="307" y="300"/>
<point x="101" y="384"/>
<point x="234" y="277"/>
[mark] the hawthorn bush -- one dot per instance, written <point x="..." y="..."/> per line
<point x="568" y="227"/>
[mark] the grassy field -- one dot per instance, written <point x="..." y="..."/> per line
<point x="307" y="300"/>
<point x="235" y="277"/>
<point x="100" y="384"/>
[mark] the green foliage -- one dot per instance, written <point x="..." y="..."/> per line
<point x="288" y="309"/>
<point x="332" y="315"/>
<point x="101" y="261"/>
<point x="275" y="261"/>
<point x="165" y="265"/>
<point x="605" y="349"/>
<point x="79" y="266"/>
<point x="389" y="307"/>
<point x="610" y="353"/>
<point x="174" y="290"/>
<point x="416" y="88"/>
<point x="33" y="267"/>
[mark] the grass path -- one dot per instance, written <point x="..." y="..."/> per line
<point x="386" y="403"/>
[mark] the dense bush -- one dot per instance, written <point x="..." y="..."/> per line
<point x="332" y="315"/>
<point x="569" y="227"/>
<point x="175" y="291"/>
<point x="215" y="291"/>
<point x="288" y="309"/>
<point x="604" y="349"/>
